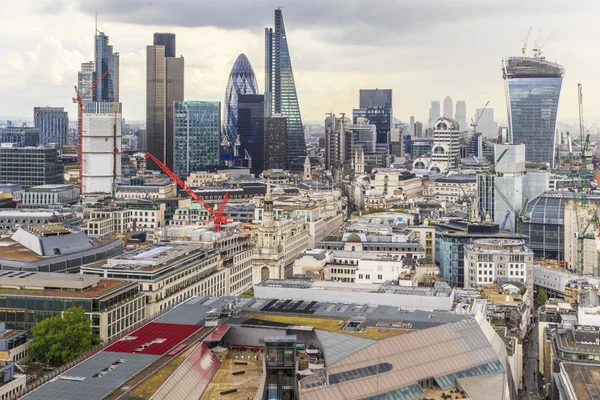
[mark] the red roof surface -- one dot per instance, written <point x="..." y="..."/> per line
<point x="217" y="334"/>
<point x="169" y="334"/>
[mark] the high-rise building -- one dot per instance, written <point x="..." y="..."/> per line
<point x="448" y="107"/>
<point x="434" y="113"/>
<point x="105" y="59"/>
<point x="377" y="104"/>
<point x="411" y="125"/>
<point x="418" y="129"/>
<point x="532" y="86"/>
<point x="280" y="89"/>
<point x="485" y="122"/>
<point x="276" y="142"/>
<point x="335" y="140"/>
<point x="445" y="153"/>
<point x="30" y="166"/>
<point x="22" y="136"/>
<point x="461" y="115"/>
<point x="251" y="131"/>
<point x="53" y="123"/>
<point x="85" y="80"/>
<point x="101" y="147"/>
<point x="164" y="86"/>
<point x="167" y="40"/>
<point x="197" y="132"/>
<point x="241" y="81"/>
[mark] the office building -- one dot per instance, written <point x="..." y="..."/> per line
<point x="241" y="82"/>
<point x="101" y="147"/>
<point x="45" y="196"/>
<point x="251" y="131"/>
<point x="486" y="123"/>
<point x="532" y="88"/>
<point x="411" y="126"/>
<point x="445" y="153"/>
<point x="53" y="123"/>
<point x="434" y="113"/>
<point x="197" y="127"/>
<point x="509" y="184"/>
<point x="85" y="80"/>
<point x="418" y="129"/>
<point x="276" y="142"/>
<point x="448" y="107"/>
<point x="105" y="59"/>
<point x="22" y="136"/>
<point x="336" y="129"/>
<point x="377" y="106"/>
<point x="280" y="89"/>
<point x="460" y="115"/>
<point x="164" y="86"/>
<point x="30" y="166"/>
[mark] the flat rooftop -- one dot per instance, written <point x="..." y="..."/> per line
<point x="585" y="380"/>
<point x="13" y="251"/>
<point x="51" y="188"/>
<point x="98" y="289"/>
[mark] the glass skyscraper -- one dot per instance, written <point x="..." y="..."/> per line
<point x="197" y="126"/>
<point x="377" y="104"/>
<point x="241" y="82"/>
<point x="53" y="123"/>
<point x="532" y="92"/>
<point x="280" y="89"/>
<point x="251" y="131"/>
<point x="104" y="58"/>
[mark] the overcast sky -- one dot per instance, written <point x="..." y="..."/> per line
<point x="422" y="49"/>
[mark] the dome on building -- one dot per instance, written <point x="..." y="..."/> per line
<point x="241" y="81"/>
<point x="353" y="238"/>
<point x="446" y="124"/>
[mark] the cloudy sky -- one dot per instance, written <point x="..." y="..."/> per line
<point x="422" y="49"/>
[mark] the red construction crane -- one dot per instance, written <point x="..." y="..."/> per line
<point x="79" y="99"/>
<point x="218" y="218"/>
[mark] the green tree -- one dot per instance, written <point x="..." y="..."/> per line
<point x="59" y="339"/>
<point x="542" y="298"/>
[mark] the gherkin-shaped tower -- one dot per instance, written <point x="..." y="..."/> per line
<point x="241" y="81"/>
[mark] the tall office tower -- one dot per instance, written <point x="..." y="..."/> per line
<point x="197" y="128"/>
<point x="461" y="115"/>
<point x="280" y="89"/>
<point x="486" y="124"/>
<point x="30" y="166"/>
<point x="445" y="153"/>
<point x="241" y="81"/>
<point x="411" y="126"/>
<point x="508" y="192"/>
<point x="251" y="131"/>
<point x="276" y="142"/>
<point x="335" y="143"/>
<point x="434" y="113"/>
<point x="53" y="123"/>
<point x="85" y="79"/>
<point x="532" y="86"/>
<point x="164" y="86"/>
<point x="418" y="129"/>
<point x="167" y="40"/>
<point x="101" y="147"/>
<point x="448" y="107"/>
<point x="105" y="59"/>
<point x="377" y="104"/>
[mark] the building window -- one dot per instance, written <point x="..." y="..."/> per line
<point x="379" y="276"/>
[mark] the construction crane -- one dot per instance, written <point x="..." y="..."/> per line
<point x="79" y="100"/>
<point x="537" y="46"/>
<point x="468" y="201"/>
<point x="248" y="158"/>
<point x="517" y="215"/>
<point x="218" y="218"/>
<point x="524" y="47"/>
<point x="474" y="123"/>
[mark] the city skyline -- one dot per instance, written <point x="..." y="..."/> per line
<point x="45" y="55"/>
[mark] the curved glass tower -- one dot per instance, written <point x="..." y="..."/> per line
<point x="532" y="87"/>
<point x="241" y="81"/>
<point x="280" y="89"/>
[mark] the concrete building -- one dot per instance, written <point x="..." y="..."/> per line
<point x="159" y="188"/>
<point x="452" y="189"/>
<point x="14" y="345"/>
<point x="53" y="123"/>
<point x="276" y="142"/>
<point x="336" y="129"/>
<point x="85" y="80"/>
<point x="54" y="248"/>
<point x="588" y="310"/>
<point x="30" y="166"/>
<point x="21" y="136"/>
<point x="101" y="147"/>
<point x="167" y="273"/>
<point x="509" y="183"/>
<point x="460" y="115"/>
<point x="113" y="305"/>
<point x="434" y="113"/>
<point x="445" y="152"/>
<point x="576" y="217"/>
<point x="45" y="196"/>
<point x="11" y="220"/>
<point x="398" y="182"/>
<point x="164" y="85"/>
<point x="11" y="190"/>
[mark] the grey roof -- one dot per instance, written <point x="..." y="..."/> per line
<point x="92" y="388"/>
<point x="337" y="346"/>
<point x="589" y="298"/>
<point x="194" y="311"/>
<point x="484" y="387"/>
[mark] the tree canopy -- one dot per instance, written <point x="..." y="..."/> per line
<point x="59" y="339"/>
<point x="542" y="298"/>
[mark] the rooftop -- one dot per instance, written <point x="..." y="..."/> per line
<point x="51" y="188"/>
<point x="585" y="380"/>
<point x="69" y="288"/>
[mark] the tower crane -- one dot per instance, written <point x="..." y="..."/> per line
<point x="79" y="100"/>
<point x="248" y="158"/>
<point x="218" y="218"/>
<point x="537" y="46"/>
<point x="474" y="123"/>
<point x="524" y="48"/>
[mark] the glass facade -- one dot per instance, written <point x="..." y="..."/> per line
<point x="532" y="88"/>
<point x="544" y="225"/>
<point x="280" y="89"/>
<point x="197" y="125"/>
<point x="53" y="123"/>
<point x="105" y="59"/>
<point x="241" y="82"/>
<point x="251" y="130"/>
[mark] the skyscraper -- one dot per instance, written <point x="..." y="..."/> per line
<point x="276" y="142"/>
<point x="197" y="128"/>
<point x="251" y="131"/>
<point x="105" y="59"/>
<point x="485" y="122"/>
<point x="448" y="107"/>
<point x="241" y="82"/>
<point x="164" y="86"/>
<point x="53" y="123"/>
<point x="280" y="89"/>
<point x="532" y="86"/>
<point x="85" y="79"/>
<point x="377" y="104"/>
<point x="434" y="112"/>
<point x="411" y="126"/>
<point x="461" y="115"/>
<point x="335" y="140"/>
